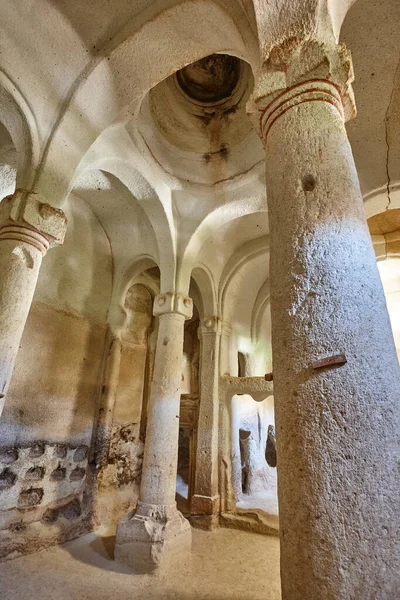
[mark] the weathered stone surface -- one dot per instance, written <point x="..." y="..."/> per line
<point x="165" y="393"/>
<point x="205" y="499"/>
<point x="50" y="516"/>
<point x="210" y="79"/>
<point x="326" y="299"/>
<point x="145" y="543"/>
<point x="58" y="474"/>
<point x="36" y="450"/>
<point x="251" y="519"/>
<point x="35" y="474"/>
<point x="60" y="451"/>
<point x="69" y="508"/>
<point x="73" y="510"/>
<point x="17" y="527"/>
<point x="27" y="537"/>
<point x="8" y="455"/>
<point x="77" y="474"/>
<point x="80" y="453"/>
<point x="20" y="259"/>
<point x="152" y="535"/>
<point x="125" y="458"/>
<point x="7" y="479"/>
<point x="183" y="187"/>
<point x="30" y="497"/>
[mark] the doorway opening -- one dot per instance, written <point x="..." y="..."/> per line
<point x="183" y="471"/>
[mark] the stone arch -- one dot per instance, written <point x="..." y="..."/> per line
<point x="148" y="198"/>
<point x="384" y="228"/>
<point x="108" y="91"/>
<point x="377" y="201"/>
<point x="8" y="163"/>
<point x="241" y="303"/>
<point x="262" y="300"/>
<point x="207" y="301"/>
<point x="227" y="213"/>
<point x="117" y="315"/>
<point x="238" y="261"/>
<point x="138" y="299"/>
<point x="18" y="119"/>
<point x="385" y="232"/>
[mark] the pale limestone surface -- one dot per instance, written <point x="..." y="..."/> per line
<point x="152" y="179"/>
<point x="157" y="531"/>
<point x="250" y="421"/>
<point x="205" y="501"/>
<point x="332" y="510"/>
<point x="225" y="565"/>
<point x="28" y="227"/>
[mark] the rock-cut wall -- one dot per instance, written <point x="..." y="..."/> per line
<point x="47" y="426"/>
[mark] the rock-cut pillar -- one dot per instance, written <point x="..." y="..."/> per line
<point x="337" y="418"/>
<point x="28" y="228"/>
<point x="205" y="501"/>
<point x="157" y="531"/>
<point x="109" y="389"/>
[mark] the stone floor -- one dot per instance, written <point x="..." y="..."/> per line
<point x="224" y="565"/>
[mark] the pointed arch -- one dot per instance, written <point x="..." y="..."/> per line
<point x="18" y="119"/>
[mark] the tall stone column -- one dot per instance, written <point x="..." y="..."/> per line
<point x="205" y="501"/>
<point x="109" y="388"/>
<point x="157" y="531"/>
<point x="337" y="422"/>
<point x="28" y="228"/>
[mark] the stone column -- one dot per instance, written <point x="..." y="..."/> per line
<point x="28" y="228"/>
<point x="205" y="501"/>
<point x="157" y="531"/>
<point x="235" y="454"/>
<point x="336" y="425"/>
<point x="228" y="354"/>
<point x="228" y="363"/>
<point x="108" y="395"/>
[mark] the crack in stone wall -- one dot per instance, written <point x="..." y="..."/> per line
<point x="387" y="119"/>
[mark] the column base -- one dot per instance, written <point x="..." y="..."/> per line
<point x="204" y="512"/>
<point x="151" y="537"/>
<point x="204" y="522"/>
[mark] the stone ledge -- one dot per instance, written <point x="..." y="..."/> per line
<point x="253" y="520"/>
<point x="204" y="505"/>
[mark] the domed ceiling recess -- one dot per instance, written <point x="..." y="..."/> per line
<point x="195" y="122"/>
<point x="211" y="80"/>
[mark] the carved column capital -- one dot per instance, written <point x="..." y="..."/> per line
<point x="24" y="217"/>
<point x="211" y="324"/>
<point x="170" y="302"/>
<point x="295" y="73"/>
